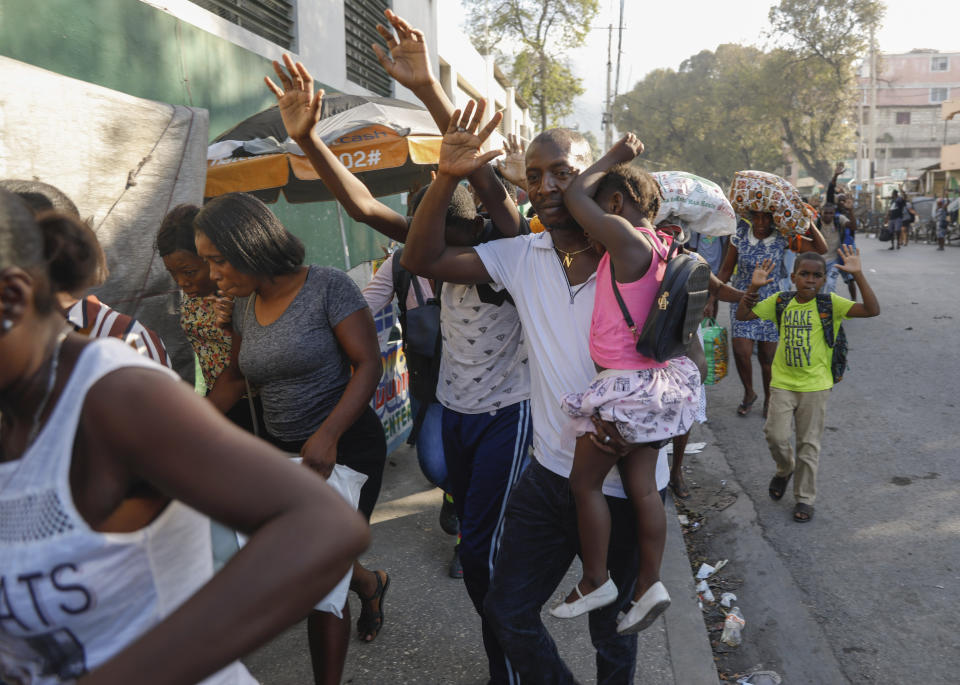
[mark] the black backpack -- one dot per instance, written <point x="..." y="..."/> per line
<point x="677" y="310"/>
<point x="421" y="340"/>
<point x="838" y="362"/>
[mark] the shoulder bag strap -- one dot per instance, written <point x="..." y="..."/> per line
<point x="623" y="307"/>
<point x="783" y="299"/>
<point x="825" y="314"/>
<point x="417" y="291"/>
<point x="253" y="411"/>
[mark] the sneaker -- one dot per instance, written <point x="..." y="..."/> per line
<point x="601" y="597"/>
<point x="455" y="569"/>
<point x="645" y="610"/>
<point x="448" y="516"/>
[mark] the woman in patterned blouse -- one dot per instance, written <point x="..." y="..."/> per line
<point x="211" y="342"/>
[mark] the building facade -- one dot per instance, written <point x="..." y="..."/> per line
<point x="909" y="128"/>
<point x="214" y="54"/>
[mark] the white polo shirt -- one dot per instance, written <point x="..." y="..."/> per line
<point x="556" y="320"/>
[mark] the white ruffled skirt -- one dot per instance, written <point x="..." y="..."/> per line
<point x="647" y="405"/>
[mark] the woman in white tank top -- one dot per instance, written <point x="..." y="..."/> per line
<point x="106" y="460"/>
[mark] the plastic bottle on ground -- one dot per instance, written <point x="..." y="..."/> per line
<point x="733" y="627"/>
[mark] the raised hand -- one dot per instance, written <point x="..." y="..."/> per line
<point x="625" y="149"/>
<point x="460" y="153"/>
<point x="761" y="274"/>
<point x="851" y="259"/>
<point x="299" y="107"/>
<point x="839" y="169"/>
<point x="513" y="166"/>
<point x="408" y="62"/>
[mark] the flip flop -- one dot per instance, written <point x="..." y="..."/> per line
<point x="680" y="491"/>
<point x="745" y="407"/>
<point x="778" y="486"/>
<point x="370" y="622"/>
<point x="802" y="513"/>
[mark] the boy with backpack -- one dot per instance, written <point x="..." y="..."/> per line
<point x="810" y="358"/>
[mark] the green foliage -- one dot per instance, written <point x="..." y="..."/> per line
<point x="703" y="118"/>
<point x="540" y="31"/>
<point x="738" y="107"/>
<point x="822" y="41"/>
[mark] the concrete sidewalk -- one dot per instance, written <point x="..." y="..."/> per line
<point x="431" y="633"/>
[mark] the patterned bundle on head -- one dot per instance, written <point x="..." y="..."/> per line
<point x="759" y="191"/>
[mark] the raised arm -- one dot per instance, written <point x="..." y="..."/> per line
<point x="629" y="251"/>
<point x="851" y="264"/>
<point x="761" y="277"/>
<point x="819" y="242"/>
<point x="513" y="165"/>
<point x="409" y="64"/>
<point x="300" y="110"/>
<point x="832" y="186"/>
<point x="426" y="252"/>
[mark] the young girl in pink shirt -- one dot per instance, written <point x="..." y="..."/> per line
<point x="641" y="400"/>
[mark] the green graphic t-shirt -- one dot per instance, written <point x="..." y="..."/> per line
<point x="802" y="361"/>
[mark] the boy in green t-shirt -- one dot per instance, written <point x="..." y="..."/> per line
<point x="802" y="375"/>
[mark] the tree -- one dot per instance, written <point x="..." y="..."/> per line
<point x="703" y="117"/>
<point x="541" y="30"/>
<point x="811" y="80"/>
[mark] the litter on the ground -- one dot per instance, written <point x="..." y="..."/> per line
<point x="706" y="570"/>
<point x="761" y="678"/>
<point x="691" y="448"/>
<point x="727" y="599"/>
<point x="704" y="592"/>
<point x="683" y="519"/>
<point x="733" y="628"/>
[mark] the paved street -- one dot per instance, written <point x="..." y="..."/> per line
<point x="432" y="634"/>
<point x="866" y="592"/>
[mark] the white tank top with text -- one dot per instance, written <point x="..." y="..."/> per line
<point x="70" y="597"/>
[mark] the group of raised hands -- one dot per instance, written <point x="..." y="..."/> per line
<point x="407" y="61"/>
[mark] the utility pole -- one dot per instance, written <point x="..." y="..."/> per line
<point x="616" y="82"/>
<point x="873" y="117"/>
<point x="607" y="120"/>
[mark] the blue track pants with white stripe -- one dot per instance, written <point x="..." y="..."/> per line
<point x="485" y="454"/>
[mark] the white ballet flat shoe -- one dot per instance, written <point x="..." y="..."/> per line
<point x="645" y="611"/>
<point x="601" y="597"/>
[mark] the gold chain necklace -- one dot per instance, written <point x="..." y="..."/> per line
<point x="568" y="256"/>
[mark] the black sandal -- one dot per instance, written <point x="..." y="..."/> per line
<point x="778" y="486"/>
<point x="802" y="513"/>
<point x="370" y="622"/>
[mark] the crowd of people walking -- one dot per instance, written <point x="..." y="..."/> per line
<point x="537" y="411"/>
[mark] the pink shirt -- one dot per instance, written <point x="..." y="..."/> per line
<point x="612" y="344"/>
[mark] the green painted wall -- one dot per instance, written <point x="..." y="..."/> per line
<point x="131" y="47"/>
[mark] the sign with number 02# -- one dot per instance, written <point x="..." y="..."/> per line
<point x="361" y="159"/>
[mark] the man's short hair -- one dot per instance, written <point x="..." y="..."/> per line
<point x="568" y="139"/>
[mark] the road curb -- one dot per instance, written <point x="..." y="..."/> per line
<point x="687" y="640"/>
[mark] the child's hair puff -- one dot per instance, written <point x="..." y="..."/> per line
<point x="636" y="185"/>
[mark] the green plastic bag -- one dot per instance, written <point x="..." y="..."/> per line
<point x="715" y="349"/>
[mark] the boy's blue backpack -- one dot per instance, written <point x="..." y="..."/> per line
<point x="825" y="309"/>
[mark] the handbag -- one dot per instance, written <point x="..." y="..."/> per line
<point x="676" y="311"/>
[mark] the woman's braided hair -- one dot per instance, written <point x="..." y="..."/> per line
<point x="636" y="185"/>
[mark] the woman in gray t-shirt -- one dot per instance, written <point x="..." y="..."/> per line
<point x="299" y="331"/>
